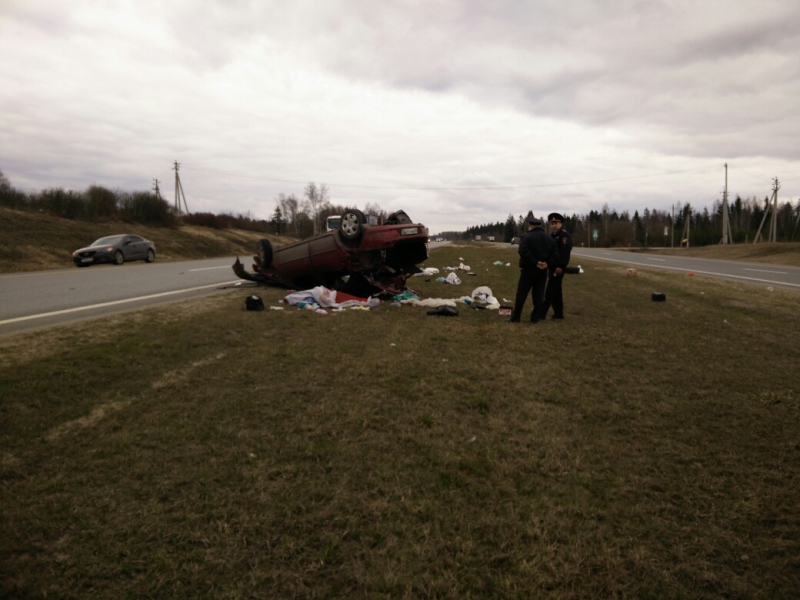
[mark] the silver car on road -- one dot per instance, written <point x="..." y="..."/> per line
<point x="115" y="249"/>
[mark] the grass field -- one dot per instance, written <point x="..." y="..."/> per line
<point x="31" y="241"/>
<point x="633" y="450"/>
<point x="781" y="253"/>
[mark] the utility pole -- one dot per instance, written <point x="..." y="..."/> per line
<point x="155" y="188"/>
<point x="672" y="229"/>
<point x="774" y="229"/>
<point x="772" y="205"/>
<point x="727" y="238"/>
<point x="687" y="227"/>
<point x="179" y="190"/>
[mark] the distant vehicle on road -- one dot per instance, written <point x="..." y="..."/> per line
<point x="490" y="238"/>
<point x="515" y="240"/>
<point x="115" y="249"/>
<point x="333" y="222"/>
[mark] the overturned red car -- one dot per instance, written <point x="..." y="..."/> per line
<point x="358" y="258"/>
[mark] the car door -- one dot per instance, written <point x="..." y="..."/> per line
<point x="128" y="248"/>
<point x="139" y="246"/>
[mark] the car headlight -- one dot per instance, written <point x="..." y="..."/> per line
<point x="109" y="249"/>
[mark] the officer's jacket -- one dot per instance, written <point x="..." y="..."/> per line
<point x="535" y="246"/>
<point x="564" y="243"/>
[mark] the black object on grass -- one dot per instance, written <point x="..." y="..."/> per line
<point x="444" y="311"/>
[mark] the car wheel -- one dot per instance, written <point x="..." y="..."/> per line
<point x="352" y="224"/>
<point x="118" y="258"/>
<point x="151" y="256"/>
<point x="264" y="253"/>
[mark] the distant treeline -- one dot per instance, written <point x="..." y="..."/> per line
<point x="98" y="203"/>
<point x="657" y="227"/>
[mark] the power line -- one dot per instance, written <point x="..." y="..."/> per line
<point x="764" y="177"/>
<point x="501" y="187"/>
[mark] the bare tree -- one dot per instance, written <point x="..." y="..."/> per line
<point x="317" y="198"/>
<point x="289" y="206"/>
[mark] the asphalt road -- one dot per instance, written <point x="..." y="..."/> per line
<point x="747" y="272"/>
<point x="44" y="298"/>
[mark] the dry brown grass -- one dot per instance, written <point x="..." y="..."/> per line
<point x="634" y="450"/>
<point x="31" y="241"/>
<point x="787" y="253"/>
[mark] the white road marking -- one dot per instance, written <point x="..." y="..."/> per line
<point x="628" y="262"/>
<point x="764" y="271"/>
<point x="114" y="303"/>
<point x="658" y="259"/>
<point x="210" y="268"/>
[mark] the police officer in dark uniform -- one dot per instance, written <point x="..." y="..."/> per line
<point x="537" y="254"/>
<point x="553" y="296"/>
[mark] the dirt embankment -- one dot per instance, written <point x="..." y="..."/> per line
<point x="31" y="241"/>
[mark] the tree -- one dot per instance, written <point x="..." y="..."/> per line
<point x="277" y="219"/>
<point x="509" y="229"/>
<point x="316" y="197"/>
<point x="290" y="206"/>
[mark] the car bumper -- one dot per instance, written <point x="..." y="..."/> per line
<point x="92" y="260"/>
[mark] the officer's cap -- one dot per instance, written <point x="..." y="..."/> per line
<point x="533" y="221"/>
<point x="555" y="217"/>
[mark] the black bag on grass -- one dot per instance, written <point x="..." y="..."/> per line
<point x="254" y="303"/>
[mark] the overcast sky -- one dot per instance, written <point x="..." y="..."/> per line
<point x="457" y="112"/>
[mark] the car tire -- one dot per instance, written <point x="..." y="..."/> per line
<point x="118" y="257"/>
<point x="352" y="224"/>
<point x="151" y="256"/>
<point x="264" y="249"/>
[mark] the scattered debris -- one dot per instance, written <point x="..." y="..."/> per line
<point x="322" y="297"/>
<point x="276" y="308"/>
<point x="505" y="310"/>
<point x="497" y="262"/>
<point x="633" y="273"/>
<point x="691" y="274"/>
<point x="453" y="279"/>
<point x="253" y="303"/>
<point x="659" y="297"/>
<point x="770" y="289"/>
<point x="407" y="295"/>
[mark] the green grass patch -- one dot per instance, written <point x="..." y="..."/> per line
<point x="633" y="450"/>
